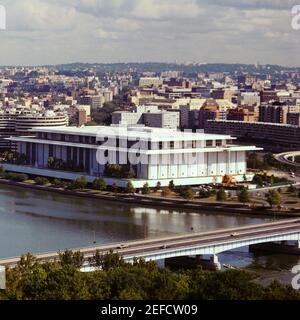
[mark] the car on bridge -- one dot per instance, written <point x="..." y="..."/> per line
<point x="234" y="235"/>
<point x="122" y="246"/>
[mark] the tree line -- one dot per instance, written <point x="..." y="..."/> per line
<point x="114" y="279"/>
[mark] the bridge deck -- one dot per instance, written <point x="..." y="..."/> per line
<point x="157" y="246"/>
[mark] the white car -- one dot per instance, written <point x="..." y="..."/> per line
<point x="122" y="246"/>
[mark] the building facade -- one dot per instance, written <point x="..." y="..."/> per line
<point x="15" y="124"/>
<point x="278" y="137"/>
<point x="149" y="116"/>
<point x="161" y="155"/>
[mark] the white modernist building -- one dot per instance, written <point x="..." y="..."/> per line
<point x="155" y="155"/>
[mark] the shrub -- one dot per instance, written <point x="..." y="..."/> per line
<point x="130" y="188"/>
<point x="79" y="183"/>
<point x="273" y="198"/>
<point x="17" y="177"/>
<point x="114" y="188"/>
<point x="158" y="186"/>
<point x="172" y="185"/>
<point x="187" y="193"/>
<point x="57" y="183"/>
<point x="119" y="171"/>
<point x="99" y="184"/>
<point x="146" y="189"/>
<point x="166" y="192"/>
<point x="2" y="172"/>
<point x="221" y="195"/>
<point x="244" y="196"/>
<point x="41" y="181"/>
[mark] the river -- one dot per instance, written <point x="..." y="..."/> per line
<point x="36" y="221"/>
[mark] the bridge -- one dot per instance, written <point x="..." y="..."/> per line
<point x="288" y="158"/>
<point x="193" y="244"/>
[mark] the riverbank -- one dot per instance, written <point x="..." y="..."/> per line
<point x="150" y="201"/>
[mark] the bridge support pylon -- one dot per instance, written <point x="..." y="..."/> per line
<point x="212" y="263"/>
<point x="215" y="261"/>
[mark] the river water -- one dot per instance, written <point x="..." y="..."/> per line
<point x="36" y="221"/>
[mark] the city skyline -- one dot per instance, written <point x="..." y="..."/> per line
<point x="148" y="30"/>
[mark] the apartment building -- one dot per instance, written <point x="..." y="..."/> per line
<point x="273" y="135"/>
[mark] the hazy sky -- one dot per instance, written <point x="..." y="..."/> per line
<point x="62" y="31"/>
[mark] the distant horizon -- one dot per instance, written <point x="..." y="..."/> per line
<point x="199" y="64"/>
<point x="44" y="32"/>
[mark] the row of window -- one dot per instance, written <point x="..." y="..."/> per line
<point x="151" y="146"/>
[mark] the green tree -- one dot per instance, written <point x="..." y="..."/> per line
<point x="99" y="184"/>
<point x="115" y="279"/>
<point x="221" y="195"/>
<point x="158" y="186"/>
<point x="130" y="188"/>
<point x="70" y="258"/>
<point x="146" y="189"/>
<point x="2" y="172"/>
<point x="79" y="183"/>
<point x="58" y="183"/>
<point x="276" y="291"/>
<point x="244" y="196"/>
<point x="114" y="188"/>
<point x="187" y="193"/>
<point x="107" y="261"/>
<point x="41" y="181"/>
<point x="51" y="162"/>
<point x="127" y="173"/>
<point x="103" y="116"/>
<point x="258" y="180"/>
<point x="26" y="263"/>
<point x="172" y="185"/>
<point x="113" y="170"/>
<point x="273" y="197"/>
<point x="17" y="177"/>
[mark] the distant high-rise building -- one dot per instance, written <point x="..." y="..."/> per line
<point x="249" y="98"/>
<point x="273" y="113"/>
<point x="293" y="118"/>
<point x="150" y="82"/>
<point x="267" y="96"/>
<point x="95" y="101"/>
<point x="149" y="116"/>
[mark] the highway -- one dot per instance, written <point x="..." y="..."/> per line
<point x="284" y="158"/>
<point x="145" y="247"/>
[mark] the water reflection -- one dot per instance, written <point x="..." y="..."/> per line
<point x="34" y="221"/>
